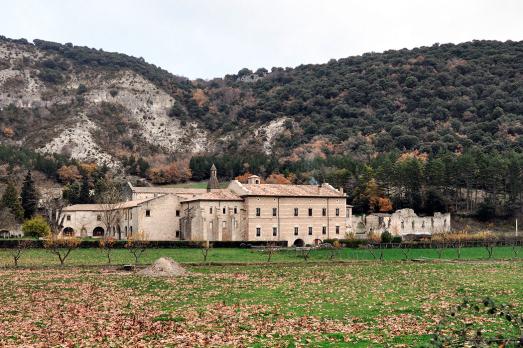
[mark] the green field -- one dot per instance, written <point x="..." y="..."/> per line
<point x="358" y="304"/>
<point x="42" y="257"/>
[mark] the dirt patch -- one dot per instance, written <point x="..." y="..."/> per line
<point x="164" y="267"/>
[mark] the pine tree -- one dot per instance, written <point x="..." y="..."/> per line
<point x="29" y="196"/>
<point x="85" y="194"/>
<point x="11" y="201"/>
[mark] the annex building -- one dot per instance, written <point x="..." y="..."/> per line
<point x="298" y="214"/>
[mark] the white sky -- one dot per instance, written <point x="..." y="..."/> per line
<point x="205" y="38"/>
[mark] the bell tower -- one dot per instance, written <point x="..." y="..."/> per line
<point x="213" y="182"/>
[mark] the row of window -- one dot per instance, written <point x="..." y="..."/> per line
<point x="422" y="224"/>
<point x="297" y="212"/>
<point x="98" y="217"/>
<point x="224" y="210"/>
<point x="296" y="231"/>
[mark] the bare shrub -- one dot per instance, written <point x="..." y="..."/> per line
<point x="61" y="246"/>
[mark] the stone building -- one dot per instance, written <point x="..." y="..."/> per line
<point x="152" y="216"/>
<point x="403" y="222"/>
<point x="298" y="214"/>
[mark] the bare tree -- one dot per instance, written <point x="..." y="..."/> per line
<point x="61" y="246"/>
<point x="515" y="249"/>
<point x="137" y="244"/>
<point x="336" y="246"/>
<point x="205" y="247"/>
<point x="111" y="199"/>
<point x="270" y="249"/>
<point x="53" y="208"/>
<point x="405" y="249"/>
<point x="20" y="248"/>
<point x="106" y="245"/>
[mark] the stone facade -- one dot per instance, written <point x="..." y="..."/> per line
<point x="298" y="214"/>
<point x="152" y="216"/>
<point x="403" y="222"/>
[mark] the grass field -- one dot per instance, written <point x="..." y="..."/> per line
<point x="41" y="257"/>
<point x="362" y="304"/>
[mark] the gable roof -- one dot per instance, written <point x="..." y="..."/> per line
<point x="168" y="190"/>
<point x="102" y="207"/>
<point x="324" y="190"/>
<point x="216" y="195"/>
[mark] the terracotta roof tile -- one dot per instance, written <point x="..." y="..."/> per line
<point x="216" y="195"/>
<point x="101" y="207"/>
<point x="291" y="190"/>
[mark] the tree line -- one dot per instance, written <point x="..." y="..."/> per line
<point x="476" y="183"/>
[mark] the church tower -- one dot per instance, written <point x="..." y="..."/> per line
<point x="213" y="180"/>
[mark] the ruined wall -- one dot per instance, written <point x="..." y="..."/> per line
<point x="401" y="223"/>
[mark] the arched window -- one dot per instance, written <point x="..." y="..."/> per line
<point x="98" y="232"/>
<point x="68" y="231"/>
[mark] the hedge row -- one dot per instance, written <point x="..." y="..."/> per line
<point x="93" y="243"/>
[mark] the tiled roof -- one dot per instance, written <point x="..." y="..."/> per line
<point x="291" y="190"/>
<point x="171" y="190"/>
<point x="102" y="207"/>
<point x="216" y="195"/>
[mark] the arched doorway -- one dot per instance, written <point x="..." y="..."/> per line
<point x="298" y="243"/>
<point x="98" y="232"/>
<point x="68" y="231"/>
<point x="119" y="231"/>
<point x="317" y="241"/>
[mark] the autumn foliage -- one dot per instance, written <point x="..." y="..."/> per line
<point x="68" y="174"/>
<point x="172" y="173"/>
<point x="276" y="178"/>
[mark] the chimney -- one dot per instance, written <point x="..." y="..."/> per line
<point x="341" y="190"/>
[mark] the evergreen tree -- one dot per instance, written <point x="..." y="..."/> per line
<point x="85" y="194"/>
<point x="11" y="201"/>
<point x="29" y="196"/>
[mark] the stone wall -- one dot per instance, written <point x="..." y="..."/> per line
<point x="401" y="223"/>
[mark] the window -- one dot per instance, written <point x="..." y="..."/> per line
<point x="402" y="225"/>
<point x="224" y="210"/>
<point x="177" y="234"/>
<point x="274" y="211"/>
<point x="310" y="211"/>
<point x="432" y="222"/>
<point x="130" y="215"/>
<point x="337" y="211"/>
<point x="337" y="229"/>
<point x="295" y="211"/>
<point x="324" y="230"/>
<point x="210" y="210"/>
<point x="98" y="217"/>
<point x="445" y="223"/>
<point x="324" y="212"/>
<point x="147" y="212"/>
<point x="423" y="224"/>
<point x="177" y="213"/>
<point x="295" y="231"/>
<point x="413" y="225"/>
<point x="68" y="217"/>
<point x="131" y="229"/>
<point x="258" y="211"/>
<point x="235" y="210"/>
<point x="310" y="231"/>
<point x="275" y="231"/>
<point x="258" y="231"/>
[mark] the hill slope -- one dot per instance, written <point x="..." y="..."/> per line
<point x="94" y="105"/>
